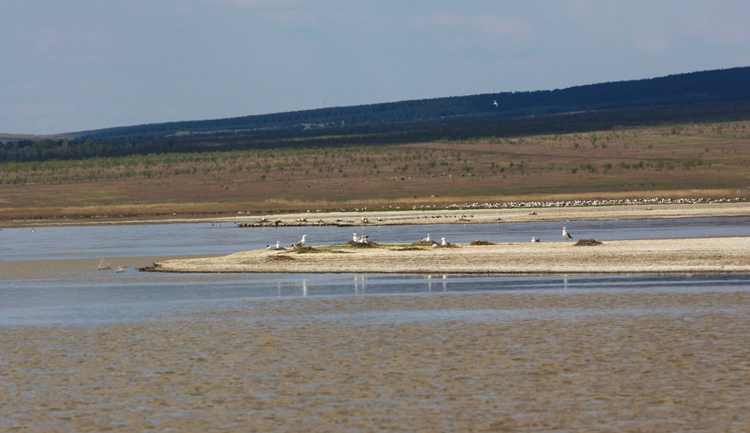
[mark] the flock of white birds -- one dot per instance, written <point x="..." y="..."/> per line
<point x="366" y="239"/>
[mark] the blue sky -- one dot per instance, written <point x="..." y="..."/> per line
<point x="70" y="65"/>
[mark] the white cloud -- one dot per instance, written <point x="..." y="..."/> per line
<point x="723" y="27"/>
<point x="595" y="8"/>
<point x="286" y="12"/>
<point x="31" y="109"/>
<point x="259" y="4"/>
<point x="720" y="24"/>
<point x="491" y="26"/>
<point x="491" y="32"/>
<point x="652" y="41"/>
<point x="43" y="117"/>
<point x="49" y="39"/>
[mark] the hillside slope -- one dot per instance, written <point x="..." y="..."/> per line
<point x="717" y="86"/>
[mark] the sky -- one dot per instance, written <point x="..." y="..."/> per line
<point x="73" y="65"/>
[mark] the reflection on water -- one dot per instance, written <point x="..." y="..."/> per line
<point x="156" y="296"/>
<point x="429" y="283"/>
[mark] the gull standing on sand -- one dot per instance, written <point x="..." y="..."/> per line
<point x="360" y="239"/>
<point x="443" y="243"/>
<point x="566" y="235"/>
<point x="301" y="243"/>
<point x="426" y="238"/>
<point x="276" y="247"/>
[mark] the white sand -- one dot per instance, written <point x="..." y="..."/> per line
<point x="635" y="256"/>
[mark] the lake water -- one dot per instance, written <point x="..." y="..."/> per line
<point x="84" y="295"/>
<point x="83" y="349"/>
<point x="206" y="239"/>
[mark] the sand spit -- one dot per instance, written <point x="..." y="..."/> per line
<point x="614" y="361"/>
<point x="705" y="255"/>
<point x="76" y="269"/>
<point x="367" y="218"/>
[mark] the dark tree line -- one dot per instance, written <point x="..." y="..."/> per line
<point x="44" y="150"/>
<point x="452" y="129"/>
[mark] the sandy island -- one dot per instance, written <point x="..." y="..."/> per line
<point x="641" y="256"/>
<point x="704" y="255"/>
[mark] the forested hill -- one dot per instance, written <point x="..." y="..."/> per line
<point x="718" y="86"/>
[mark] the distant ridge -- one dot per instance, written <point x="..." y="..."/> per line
<point x="716" y="86"/>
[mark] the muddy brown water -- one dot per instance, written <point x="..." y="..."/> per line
<point x="585" y="361"/>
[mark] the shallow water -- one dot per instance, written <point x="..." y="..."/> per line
<point x="137" y="297"/>
<point x="55" y="281"/>
<point x="530" y="360"/>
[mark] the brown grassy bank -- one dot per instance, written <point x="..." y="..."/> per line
<point x="681" y="160"/>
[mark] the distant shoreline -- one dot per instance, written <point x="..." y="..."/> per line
<point x="459" y="215"/>
<point x="701" y="255"/>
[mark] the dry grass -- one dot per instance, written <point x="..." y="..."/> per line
<point x="587" y="243"/>
<point x="479" y="243"/>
